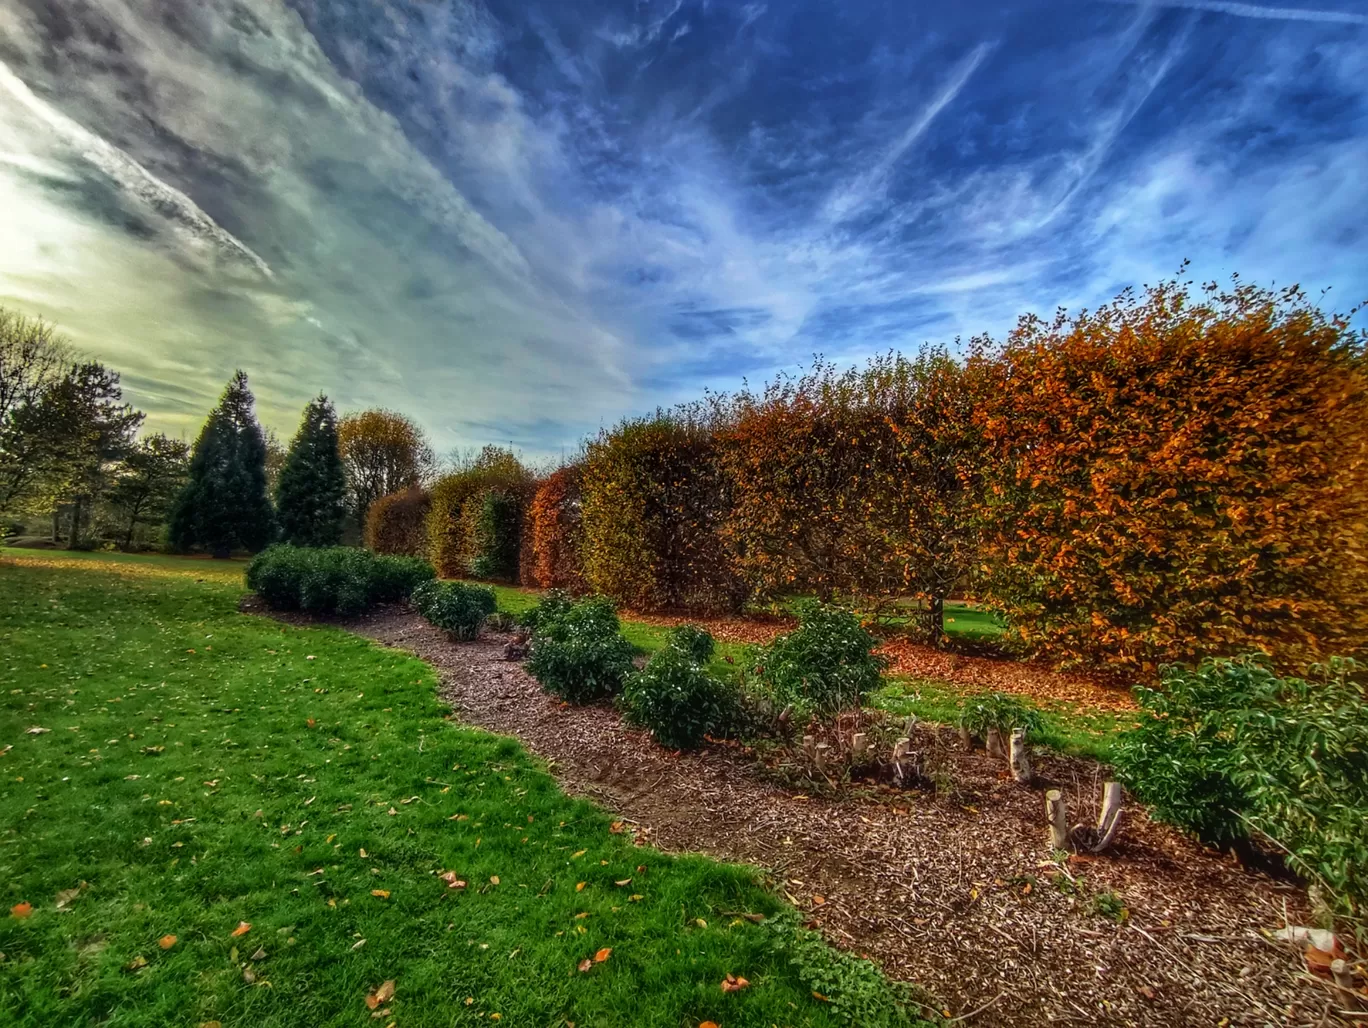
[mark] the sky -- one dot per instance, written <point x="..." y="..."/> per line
<point x="520" y="220"/>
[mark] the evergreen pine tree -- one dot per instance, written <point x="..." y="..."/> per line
<point x="312" y="487"/>
<point x="224" y="505"/>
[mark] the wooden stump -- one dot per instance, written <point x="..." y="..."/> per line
<point x="1057" y="812"/>
<point x="1021" y="757"/>
<point x="1109" y="820"/>
<point x="859" y="744"/>
<point x="820" y="755"/>
<point x="809" y="746"/>
<point x="966" y="740"/>
<point x="995" y="748"/>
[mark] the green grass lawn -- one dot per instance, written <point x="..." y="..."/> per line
<point x="200" y="769"/>
<point x="1080" y="733"/>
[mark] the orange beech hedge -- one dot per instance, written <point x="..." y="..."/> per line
<point x="453" y="519"/>
<point x="654" y="501"/>
<point x="396" y="524"/>
<point x="1178" y="475"/>
<point x="551" y="534"/>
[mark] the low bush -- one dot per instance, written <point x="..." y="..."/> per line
<point x="1000" y="711"/>
<point x="553" y="604"/>
<point x="676" y="698"/>
<point x="1229" y="750"/>
<point x="578" y="652"/>
<point x="824" y="666"/>
<point x="332" y="580"/>
<point x="455" y="607"/>
<point x="693" y="642"/>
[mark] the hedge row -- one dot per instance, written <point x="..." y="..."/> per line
<point x="1181" y="473"/>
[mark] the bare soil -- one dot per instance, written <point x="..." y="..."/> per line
<point x="955" y="889"/>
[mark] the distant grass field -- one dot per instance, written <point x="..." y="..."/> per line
<point x="173" y="771"/>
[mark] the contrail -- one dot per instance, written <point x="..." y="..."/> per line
<point x="1240" y="10"/>
<point x="130" y="175"/>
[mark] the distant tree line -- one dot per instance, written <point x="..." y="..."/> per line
<point x="73" y="464"/>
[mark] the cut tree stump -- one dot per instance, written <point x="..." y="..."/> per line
<point x="820" y="755"/>
<point x="859" y="743"/>
<point x="1109" y="820"/>
<point x="809" y="746"/>
<point x="994" y="743"/>
<point x="1021" y="757"/>
<point x="966" y="740"/>
<point x="1057" y="812"/>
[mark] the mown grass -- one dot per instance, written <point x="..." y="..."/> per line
<point x="1069" y="730"/>
<point x="201" y="768"/>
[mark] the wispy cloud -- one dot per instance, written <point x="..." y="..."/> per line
<point x="521" y="228"/>
<point x="1239" y="10"/>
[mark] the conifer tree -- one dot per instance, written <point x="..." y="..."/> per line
<point x="224" y="505"/>
<point x="310" y="495"/>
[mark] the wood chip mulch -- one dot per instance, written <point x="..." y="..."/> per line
<point x="954" y="891"/>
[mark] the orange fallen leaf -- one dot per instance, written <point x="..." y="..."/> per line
<point x="818" y="901"/>
<point x="579" y="886"/>
<point x="166" y="941"/>
<point x="242" y="929"/>
<point x="493" y="879"/>
<point x="386" y="991"/>
<point x="707" y="1024"/>
<point x="21" y="910"/>
<point x="734" y="984"/>
<point x="615" y="827"/>
<point x="603" y="954"/>
<point x="381" y="893"/>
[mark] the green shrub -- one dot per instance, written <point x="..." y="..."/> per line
<point x="1229" y="749"/>
<point x="555" y="603"/>
<point x="455" y="607"/>
<point x="826" y="665"/>
<point x="1000" y="711"/>
<point x="332" y="580"/>
<point x="676" y="698"/>
<point x="693" y="642"/>
<point x="578" y="652"/>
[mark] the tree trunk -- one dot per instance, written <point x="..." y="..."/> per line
<point x="1058" y="814"/>
<point x="933" y="621"/>
<point x="56" y="525"/>
<point x="74" y="538"/>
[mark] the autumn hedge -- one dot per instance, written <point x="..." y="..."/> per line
<point x="469" y="509"/>
<point x="396" y="524"/>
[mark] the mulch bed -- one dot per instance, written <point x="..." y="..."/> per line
<point x="954" y="892"/>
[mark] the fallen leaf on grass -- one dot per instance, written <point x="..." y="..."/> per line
<point x="493" y="879"/>
<point x="579" y="886"/>
<point x="260" y="954"/>
<point x="707" y="1024"/>
<point x="381" y="893"/>
<point x="452" y="881"/>
<point x="166" y="941"/>
<point x="242" y="929"/>
<point x="734" y="984"/>
<point x="21" y="910"/>
<point x="624" y="882"/>
<point x="136" y="964"/>
<point x="615" y="827"/>
<point x="603" y="954"/>
<point x="578" y="854"/>
<point x="585" y="964"/>
<point x="381" y="995"/>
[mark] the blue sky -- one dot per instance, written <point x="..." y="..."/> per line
<point x="518" y="221"/>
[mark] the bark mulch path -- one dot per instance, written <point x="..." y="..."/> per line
<point x="953" y="892"/>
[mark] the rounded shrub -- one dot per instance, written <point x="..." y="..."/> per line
<point x="826" y="665"/>
<point x="1229" y="750"/>
<point x="457" y="608"/>
<point x="998" y="710"/>
<point x="578" y="652"/>
<point x="693" y="642"/>
<point x="676" y="698"/>
<point x="396" y="524"/>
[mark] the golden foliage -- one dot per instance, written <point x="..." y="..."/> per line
<point x="396" y="524"/>
<point x="1177" y="476"/>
